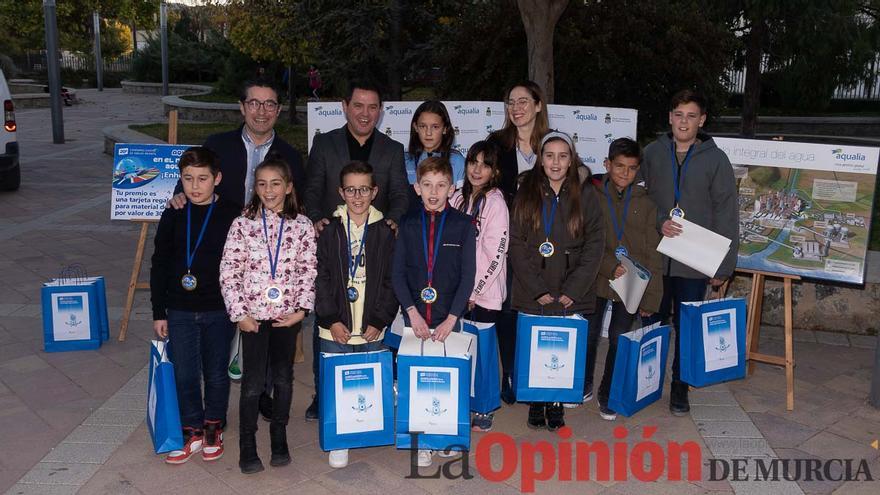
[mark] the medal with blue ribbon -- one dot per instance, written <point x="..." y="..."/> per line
<point x="429" y="293"/>
<point x="273" y="292"/>
<point x="546" y="248"/>
<point x="676" y="178"/>
<point x="354" y="262"/>
<point x="189" y="282"/>
<point x="620" y="251"/>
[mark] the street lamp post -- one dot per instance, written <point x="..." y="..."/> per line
<point x="99" y="62"/>
<point x="163" y="27"/>
<point x="54" y="71"/>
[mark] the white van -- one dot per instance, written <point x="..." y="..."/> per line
<point x="10" y="171"/>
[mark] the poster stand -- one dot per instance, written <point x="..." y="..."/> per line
<point x="133" y="283"/>
<point x="753" y="329"/>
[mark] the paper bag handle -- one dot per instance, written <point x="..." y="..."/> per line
<point x="75" y="273"/>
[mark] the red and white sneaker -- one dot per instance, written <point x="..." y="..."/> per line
<point x="192" y="444"/>
<point x="213" y="446"/>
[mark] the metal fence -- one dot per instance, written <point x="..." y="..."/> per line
<point x="866" y="89"/>
<point x="35" y="62"/>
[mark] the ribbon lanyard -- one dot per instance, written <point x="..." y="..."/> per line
<point x="273" y="260"/>
<point x="675" y="176"/>
<point x="353" y="266"/>
<point x="548" y="222"/>
<point x="476" y="211"/>
<point x="431" y="256"/>
<point x="618" y="228"/>
<point x="190" y="256"/>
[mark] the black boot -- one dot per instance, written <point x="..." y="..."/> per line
<point x="507" y="394"/>
<point x="678" y="398"/>
<point x="248" y="460"/>
<point x="312" y="410"/>
<point x="537" y="419"/>
<point x="280" y="452"/>
<point x="555" y="416"/>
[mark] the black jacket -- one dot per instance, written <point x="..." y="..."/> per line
<point x="331" y="303"/>
<point x="573" y="267"/>
<point x="233" y="164"/>
<point x="509" y="168"/>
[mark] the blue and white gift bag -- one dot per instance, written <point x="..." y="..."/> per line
<point x="394" y="332"/>
<point x="712" y="341"/>
<point x="433" y="382"/>
<point x="357" y="400"/>
<point x="163" y="414"/>
<point x="551" y="357"/>
<point x="485" y="378"/>
<point x="639" y="369"/>
<point x="74" y="314"/>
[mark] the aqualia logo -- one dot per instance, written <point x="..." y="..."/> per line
<point x="327" y="113"/>
<point x="845" y="157"/>
<point x="397" y="111"/>
<point x="584" y="116"/>
<point x="462" y="110"/>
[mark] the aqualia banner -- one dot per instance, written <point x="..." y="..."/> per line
<point x="591" y="128"/>
<point x="144" y="177"/>
<point x="804" y="209"/>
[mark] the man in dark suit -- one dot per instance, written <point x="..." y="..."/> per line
<point x="242" y="149"/>
<point x="356" y="140"/>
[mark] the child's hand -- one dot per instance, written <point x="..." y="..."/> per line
<point x="319" y="226"/>
<point x="619" y="271"/>
<point x="545" y="299"/>
<point x="670" y="228"/>
<point x="248" y="324"/>
<point x="471" y="305"/>
<point x="420" y="328"/>
<point x="372" y="333"/>
<point x="645" y="314"/>
<point x="161" y="328"/>
<point x="565" y="301"/>
<point x="289" y="320"/>
<point x="339" y="333"/>
<point x="444" y="329"/>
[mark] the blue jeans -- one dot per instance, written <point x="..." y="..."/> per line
<point x="200" y="349"/>
<point x="677" y="290"/>
<point x="621" y="322"/>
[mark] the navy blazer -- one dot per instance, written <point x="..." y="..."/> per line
<point x="233" y="164"/>
<point x="454" y="269"/>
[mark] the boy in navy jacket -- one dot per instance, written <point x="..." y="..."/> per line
<point x="434" y="257"/>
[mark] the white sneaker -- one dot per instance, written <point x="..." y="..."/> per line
<point x="338" y="458"/>
<point x="446" y="454"/>
<point x="425" y="458"/>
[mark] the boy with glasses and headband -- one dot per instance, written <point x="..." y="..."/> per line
<point x="355" y="300"/>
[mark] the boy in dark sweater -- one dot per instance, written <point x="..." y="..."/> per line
<point x="188" y="308"/>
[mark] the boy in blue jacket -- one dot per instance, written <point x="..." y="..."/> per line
<point x="434" y="260"/>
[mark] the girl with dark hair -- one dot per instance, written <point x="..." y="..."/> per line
<point x="267" y="277"/>
<point x="557" y="235"/>
<point x="432" y="134"/>
<point x="481" y="198"/>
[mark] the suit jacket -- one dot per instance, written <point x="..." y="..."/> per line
<point x="329" y="154"/>
<point x="233" y="164"/>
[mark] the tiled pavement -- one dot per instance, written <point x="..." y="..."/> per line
<point x="73" y="421"/>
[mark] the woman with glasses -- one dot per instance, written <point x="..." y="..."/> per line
<point x="525" y="124"/>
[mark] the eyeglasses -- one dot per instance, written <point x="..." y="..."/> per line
<point x="352" y="191"/>
<point x="254" y="105"/>
<point x="522" y="102"/>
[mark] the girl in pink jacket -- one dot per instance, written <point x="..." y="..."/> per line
<point x="481" y="198"/>
<point x="267" y="277"/>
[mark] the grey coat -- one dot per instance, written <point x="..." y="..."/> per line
<point x="708" y="196"/>
<point x="329" y="154"/>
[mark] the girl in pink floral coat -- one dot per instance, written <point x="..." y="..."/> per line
<point x="267" y="277"/>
